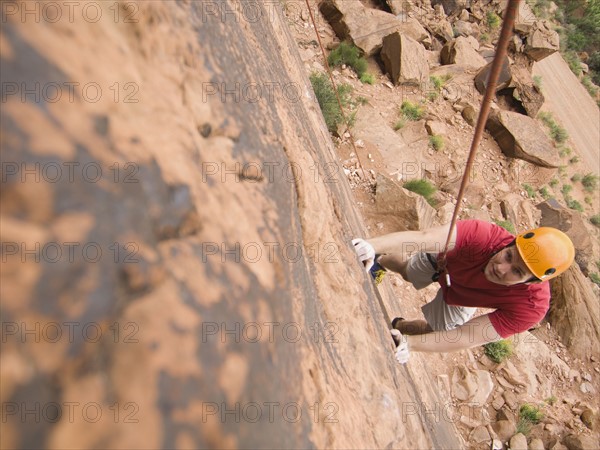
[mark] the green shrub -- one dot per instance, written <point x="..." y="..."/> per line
<point x="328" y="102"/>
<point x="436" y="141"/>
<point x="557" y="133"/>
<point x="499" y="351"/>
<point x="574" y="160"/>
<point x="529" y="415"/>
<point x="588" y="200"/>
<point x="551" y="400"/>
<point x="566" y="189"/>
<point x="537" y="80"/>
<point x="589" y="85"/>
<point x="422" y="187"/>
<point x="573" y="204"/>
<point x="484" y="38"/>
<point x="367" y="78"/>
<point x="493" y="20"/>
<point x="595" y="278"/>
<point x="590" y="182"/>
<point x="595" y="219"/>
<point x="437" y="82"/>
<point x="399" y="124"/>
<point x="507" y="225"/>
<point x="432" y="96"/>
<point x="530" y="191"/>
<point x="553" y="182"/>
<point x="411" y="111"/>
<point x="348" y="54"/>
<point x="575" y="178"/>
<point x="544" y="193"/>
<point x="565" y="151"/>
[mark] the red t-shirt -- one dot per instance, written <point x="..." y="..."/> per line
<point x="517" y="307"/>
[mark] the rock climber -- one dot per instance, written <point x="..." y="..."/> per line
<point x="485" y="267"/>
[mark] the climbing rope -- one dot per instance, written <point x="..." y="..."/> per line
<point x="507" y="26"/>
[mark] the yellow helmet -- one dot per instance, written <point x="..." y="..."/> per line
<point x="546" y="251"/>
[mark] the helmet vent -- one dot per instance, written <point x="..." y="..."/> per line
<point x="550" y="271"/>
<point x="528" y="235"/>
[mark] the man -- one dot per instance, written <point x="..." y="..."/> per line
<point x="485" y="266"/>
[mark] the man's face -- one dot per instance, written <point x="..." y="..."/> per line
<point x="507" y="268"/>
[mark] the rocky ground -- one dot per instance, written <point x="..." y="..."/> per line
<point x="562" y="381"/>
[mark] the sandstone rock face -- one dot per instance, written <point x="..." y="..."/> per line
<point x="462" y="52"/>
<point x="365" y="27"/>
<point x="409" y="210"/>
<point x="405" y="59"/>
<point x="521" y="137"/>
<point x="541" y="42"/>
<point x="574" y="313"/>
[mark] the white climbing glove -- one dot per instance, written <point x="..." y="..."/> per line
<point x="365" y="252"/>
<point x="402" y="353"/>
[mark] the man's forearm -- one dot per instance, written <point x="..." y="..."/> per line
<point x="407" y="242"/>
<point x="478" y="331"/>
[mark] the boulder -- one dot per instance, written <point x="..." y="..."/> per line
<point x="365" y="27"/>
<point x="504" y="429"/>
<point x="442" y="29"/>
<point x="399" y="6"/>
<point x="570" y="222"/>
<point x="536" y="444"/>
<point x="580" y="442"/>
<point x="574" y="313"/>
<point x="412" y="28"/>
<point x="541" y="42"/>
<point x="528" y="94"/>
<point x="435" y="127"/>
<point x="479" y="434"/>
<point x="403" y="209"/>
<point x="462" y="28"/>
<point x="405" y="60"/>
<point x="462" y="52"/>
<point x="525" y="19"/>
<point x="589" y="419"/>
<point x="521" y="137"/>
<point x="474" y="386"/>
<point x="481" y="79"/>
<point x="451" y="7"/>
<point x="518" y="442"/>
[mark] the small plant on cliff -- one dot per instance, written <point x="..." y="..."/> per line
<point x="348" y="54"/>
<point x="529" y="415"/>
<point x="328" y="101"/>
<point x="595" y="278"/>
<point x="507" y="225"/>
<point x="530" y="190"/>
<point x="551" y="400"/>
<point x="367" y="78"/>
<point x="590" y="182"/>
<point x="422" y="187"/>
<point x="411" y="111"/>
<point x="557" y="133"/>
<point x="499" y="351"/>
<point x="537" y="80"/>
<point x="544" y="193"/>
<point x="436" y="141"/>
<point x="493" y="19"/>
<point x="595" y="219"/>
